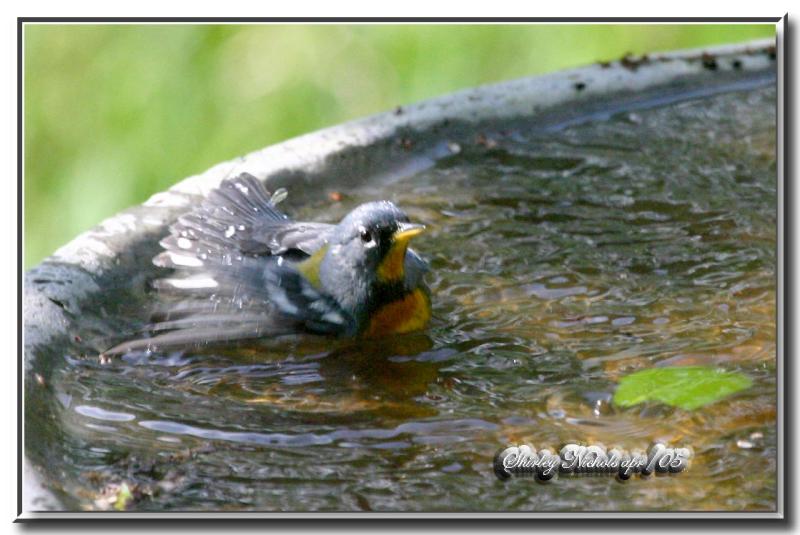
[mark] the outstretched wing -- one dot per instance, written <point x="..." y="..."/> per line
<point x="239" y="218"/>
<point x="251" y="298"/>
<point x="233" y="279"/>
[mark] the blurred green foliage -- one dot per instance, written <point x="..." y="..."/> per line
<point x="115" y="113"/>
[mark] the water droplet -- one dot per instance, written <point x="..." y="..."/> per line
<point x="454" y="467"/>
<point x="279" y="195"/>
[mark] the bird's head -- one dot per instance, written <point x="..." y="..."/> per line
<point x="367" y="249"/>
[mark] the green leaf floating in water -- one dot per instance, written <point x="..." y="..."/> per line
<point x="687" y="387"/>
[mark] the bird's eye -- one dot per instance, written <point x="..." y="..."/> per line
<point x="366" y="236"/>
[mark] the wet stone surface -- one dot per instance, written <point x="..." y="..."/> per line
<point x="560" y="263"/>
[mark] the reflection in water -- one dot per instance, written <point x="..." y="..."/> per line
<point x="560" y="264"/>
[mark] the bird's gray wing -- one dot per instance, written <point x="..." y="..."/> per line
<point x="233" y="278"/>
<point x="251" y="298"/>
<point x="239" y="218"/>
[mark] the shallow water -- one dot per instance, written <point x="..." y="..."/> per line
<point x="561" y="262"/>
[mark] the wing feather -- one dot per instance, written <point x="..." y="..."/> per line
<point x="233" y="279"/>
<point x="240" y="218"/>
<point x="252" y="298"/>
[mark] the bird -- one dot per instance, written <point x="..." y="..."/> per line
<point x="242" y="269"/>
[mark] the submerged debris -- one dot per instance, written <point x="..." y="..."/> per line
<point x="121" y="496"/>
<point x="484" y="141"/>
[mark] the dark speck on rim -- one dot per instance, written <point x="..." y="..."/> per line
<point x="632" y="63"/>
<point x="709" y="62"/>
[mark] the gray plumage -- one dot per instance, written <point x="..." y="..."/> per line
<point x="235" y="259"/>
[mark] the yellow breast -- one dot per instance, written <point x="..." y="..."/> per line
<point x="411" y="313"/>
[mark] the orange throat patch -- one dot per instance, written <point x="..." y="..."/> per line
<point x="411" y="313"/>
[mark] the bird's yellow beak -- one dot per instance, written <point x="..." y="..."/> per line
<point x="392" y="268"/>
<point x="406" y="231"/>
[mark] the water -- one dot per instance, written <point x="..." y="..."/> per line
<point x="561" y="262"/>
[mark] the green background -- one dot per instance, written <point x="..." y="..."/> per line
<point x="115" y="113"/>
